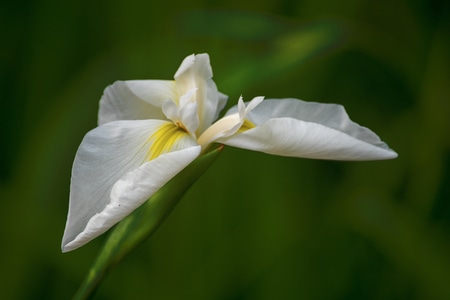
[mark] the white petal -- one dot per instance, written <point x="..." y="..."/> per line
<point x="252" y="104"/>
<point x="110" y="154"/>
<point x="224" y="127"/>
<point x="153" y="92"/>
<point x="293" y="127"/>
<point x="195" y="73"/>
<point x="189" y="117"/>
<point x="187" y="98"/>
<point x="229" y="124"/>
<point x="135" y="100"/>
<point x="171" y="110"/>
<point x="241" y="108"/>
<point x="185" y="116"/>
<point x="186" y="64"/>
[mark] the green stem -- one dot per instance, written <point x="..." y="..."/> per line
<point x="140" y="225"/>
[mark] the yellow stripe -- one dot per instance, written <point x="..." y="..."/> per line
<point x="163" y="140"/>
<point x="246" y="126"/>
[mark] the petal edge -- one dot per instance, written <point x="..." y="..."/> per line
<point x="132" y="190"/>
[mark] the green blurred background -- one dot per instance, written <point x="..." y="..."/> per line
<point x="254" y="226"/>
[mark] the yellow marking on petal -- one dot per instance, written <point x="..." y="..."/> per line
<point x="246" y="126"/>
<point x="163" y="140"/>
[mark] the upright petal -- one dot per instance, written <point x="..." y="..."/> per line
<point x="292" y="127"/>
<point x="195" y="72"/>
<point x="115" y="171"/>
<point x="135" y="100"/>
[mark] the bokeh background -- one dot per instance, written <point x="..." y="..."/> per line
<point x="254" y="226"/>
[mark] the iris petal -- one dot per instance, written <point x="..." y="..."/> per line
<point x="292" y="127"/>
<point x="116" y="152"/>
<point x="135" y="100"/>
<point x="195" y="73"/>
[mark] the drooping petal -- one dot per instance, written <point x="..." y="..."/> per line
<point x="117" y="167"/>
<point x="135" y="100"/>
<point x="195" y="73"/>
<point x="292" y="127"/>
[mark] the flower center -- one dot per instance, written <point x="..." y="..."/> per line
<point x="181" y="126"/>
<point x="183" y="115"/>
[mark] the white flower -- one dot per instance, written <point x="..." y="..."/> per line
<point x="150" y="130"/>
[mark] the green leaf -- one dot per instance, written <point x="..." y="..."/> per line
<point x="141" y="224"/>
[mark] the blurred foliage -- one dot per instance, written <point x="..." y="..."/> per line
<point x="254" y="226"/>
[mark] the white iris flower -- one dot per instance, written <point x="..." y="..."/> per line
<point x="150" y="130"/>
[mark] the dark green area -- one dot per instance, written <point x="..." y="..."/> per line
<point x="254" y="226"/>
